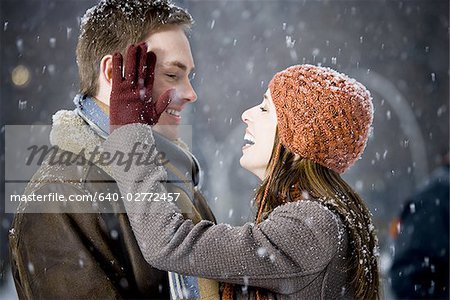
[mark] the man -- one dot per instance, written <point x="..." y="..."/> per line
<point x="95" y="255"/>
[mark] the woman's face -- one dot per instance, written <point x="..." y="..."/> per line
<point x="259" y="136"/>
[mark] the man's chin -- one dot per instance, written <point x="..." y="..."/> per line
<point x="169" y="131"/>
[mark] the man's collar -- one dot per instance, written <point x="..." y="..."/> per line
<point x="102" y="105"/>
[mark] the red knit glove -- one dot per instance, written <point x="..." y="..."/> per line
<point x="131" y="97"/>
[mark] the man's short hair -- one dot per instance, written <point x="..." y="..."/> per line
<point x="112" y="25"/>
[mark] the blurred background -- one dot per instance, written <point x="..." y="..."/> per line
<point x="398" y="49"/>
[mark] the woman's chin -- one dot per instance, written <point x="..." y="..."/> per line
<point x="242" y="162"/>
<point x="247" y="166"/>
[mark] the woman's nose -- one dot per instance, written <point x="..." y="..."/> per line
<point x="246" y="115"/>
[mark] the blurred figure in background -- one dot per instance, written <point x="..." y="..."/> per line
<point x="421" y="267"/>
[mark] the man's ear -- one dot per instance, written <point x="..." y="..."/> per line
<point x="106" y="69"/>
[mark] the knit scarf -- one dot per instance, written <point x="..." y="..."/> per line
<point x="181" y="287"/>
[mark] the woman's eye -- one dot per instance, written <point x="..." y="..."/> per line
<point x="262" y="108"/>
<point x="173" y="76"/>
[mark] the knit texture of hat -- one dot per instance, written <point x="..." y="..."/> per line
<point x="322" y="115"/>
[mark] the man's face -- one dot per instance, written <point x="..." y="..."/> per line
<point x="174" y="63"/>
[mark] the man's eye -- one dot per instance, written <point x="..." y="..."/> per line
<point x="173" y="76"/>
<point x="262" y="108"/>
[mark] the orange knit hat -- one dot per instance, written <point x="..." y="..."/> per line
<point x="322" y="115"/>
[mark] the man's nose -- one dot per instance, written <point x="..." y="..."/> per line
<point x="188" y="93"/>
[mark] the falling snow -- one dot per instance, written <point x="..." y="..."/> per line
<point x="235" y="65"/>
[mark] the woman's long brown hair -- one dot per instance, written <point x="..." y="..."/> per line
<point x="293" y="178"/>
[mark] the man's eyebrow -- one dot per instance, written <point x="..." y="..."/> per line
<point x="177" y="64"/>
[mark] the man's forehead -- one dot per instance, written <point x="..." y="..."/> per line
<point x="169" y="57"/>
<point x="172" y="48"/>
<point x="182" y="65"/>
<point x="179" y="64"/>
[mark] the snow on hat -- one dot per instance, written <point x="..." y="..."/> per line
<point x="322" y="115"/>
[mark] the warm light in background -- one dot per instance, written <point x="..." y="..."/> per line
<point x="20" y="76"/>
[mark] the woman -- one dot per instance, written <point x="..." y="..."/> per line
<point x="313" y="237"/>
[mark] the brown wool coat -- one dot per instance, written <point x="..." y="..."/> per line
<point x="299" y="252"/>
<point x="81" y="255"/>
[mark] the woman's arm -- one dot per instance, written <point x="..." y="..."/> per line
<point x="297" y="240"/>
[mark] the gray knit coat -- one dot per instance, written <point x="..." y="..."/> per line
<point x="300" y="251"/>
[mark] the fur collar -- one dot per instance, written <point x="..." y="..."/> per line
<point x="71" y="133"/>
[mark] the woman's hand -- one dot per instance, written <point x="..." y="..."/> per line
<point x="131" y="97"/>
